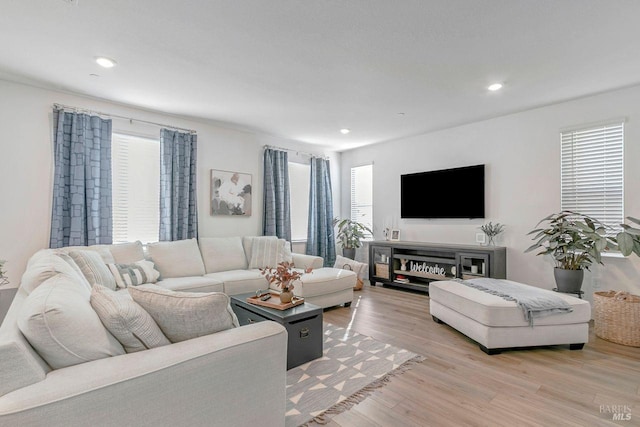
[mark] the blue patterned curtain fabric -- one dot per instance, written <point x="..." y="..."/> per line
<point x="320" y="236"/>
<point x="178" y="204"/>
<point x="81" y="213"/>
<point x="277" y="200"/>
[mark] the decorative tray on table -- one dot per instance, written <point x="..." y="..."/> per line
<point x="274" y="301"/>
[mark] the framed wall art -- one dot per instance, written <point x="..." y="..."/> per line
<point x="230" y="193"/>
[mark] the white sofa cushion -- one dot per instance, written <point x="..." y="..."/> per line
<point x="93" y="268"/>
<point x="102" y="250"/>
<point x="137" y="273"/>
<point x="58" y="321"/>
<point x="240" y="281"/>
<point x="192" y="284"/>
<point x="323" y="281"/>
<point x="180" y="258"/>
<point x="132" y="326"/>
<point x="185" y="315"/>
<point x="222" y="254"/>
<point x="45" y="264"/>
<point x="127" y="253"/>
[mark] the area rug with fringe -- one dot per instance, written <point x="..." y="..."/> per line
<point x="353" y="365"/>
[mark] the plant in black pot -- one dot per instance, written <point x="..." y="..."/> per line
<point x="575" y="241"/>
<point x="350" y="235"/>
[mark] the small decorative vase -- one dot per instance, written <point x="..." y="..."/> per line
<point x="286" y="295"/>
<point x="491" y="241"/>
<point x="403" y="267"/>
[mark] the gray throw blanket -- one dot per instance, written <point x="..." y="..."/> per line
<point x="534" y="302"/>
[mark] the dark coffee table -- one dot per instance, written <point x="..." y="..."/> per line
<point x="303" y="324"/>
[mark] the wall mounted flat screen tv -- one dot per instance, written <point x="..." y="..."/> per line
<point x="446" y="193"/>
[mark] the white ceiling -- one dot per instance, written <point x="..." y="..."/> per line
<point x="302" y="70"/>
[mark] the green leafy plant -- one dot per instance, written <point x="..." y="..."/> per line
<point x="575" y="241"/>
<point x="350" y="233"/>
<point x="629" y="238"/>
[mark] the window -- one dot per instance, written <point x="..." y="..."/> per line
<point x="136" y="188"/>
<point x="362" y="195"/>
<point x="592" y="173"/>
<point x="299" y="193"/>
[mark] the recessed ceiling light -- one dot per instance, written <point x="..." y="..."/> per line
<point x="495" y="86"/>
<point x="345" y="131"/>
<point x="106" y="62"/>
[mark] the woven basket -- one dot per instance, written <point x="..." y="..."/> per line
<point x="617" y="317"/>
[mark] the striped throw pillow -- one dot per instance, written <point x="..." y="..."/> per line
<point x="135" y="274"/>
<point x="93" y="268"/>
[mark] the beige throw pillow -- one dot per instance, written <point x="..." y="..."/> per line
<point x="133" y="327"/>
<point x="94" y="269"/>
<point x="58" y="321"/>
<point x="185" y="315"/>
<point x="267" y="253"/>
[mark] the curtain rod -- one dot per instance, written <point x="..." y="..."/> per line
<point x="324" y="156"/>
<point x="84" y="110"/>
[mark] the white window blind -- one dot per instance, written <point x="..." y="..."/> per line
<point x="299" y="176"/>
<point x="362" y="195"/>
<point x="592" y="173"/>
<point x="136" y="188"/>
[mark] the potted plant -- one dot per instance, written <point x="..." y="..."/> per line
<point x="350" y="235"/>
<point x="629" y="238"/>
<point x="575" y="241"/>
<point x="491" y="231"/>
<point x="283" y="277"/>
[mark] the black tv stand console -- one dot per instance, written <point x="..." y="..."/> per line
<point x="413" y="265"/>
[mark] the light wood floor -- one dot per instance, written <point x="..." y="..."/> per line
<point x="459" y="385"/>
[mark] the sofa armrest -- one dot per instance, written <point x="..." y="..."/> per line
<point x="305" y="261"/>
<point x="234" y="377"/>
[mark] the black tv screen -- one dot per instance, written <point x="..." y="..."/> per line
<point x="446" y="193"/>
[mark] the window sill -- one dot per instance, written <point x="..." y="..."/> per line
<point x="615" y="254"/>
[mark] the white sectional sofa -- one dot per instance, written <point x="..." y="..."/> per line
<point x="235" y="377"/>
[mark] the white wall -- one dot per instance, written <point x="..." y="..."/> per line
<point x="26" y="166"/>
<point x="522" y="157"/>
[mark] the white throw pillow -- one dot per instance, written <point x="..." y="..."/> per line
<point x="185" y="315"/>
<point x="47" y="263"/>
<point x="132" y="326"/>
<point x="93" y="268"/>
<point x="180" y="258"/>
<point x="349" y="264"/>
<point x="222" y="254"/>
<point x="267" y="253"/>
<point x="58" y="321"/>
<point x="135" y="274"/>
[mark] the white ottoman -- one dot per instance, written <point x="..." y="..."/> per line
<point x="497" y="324"/>
<point x="326" y="287"/>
